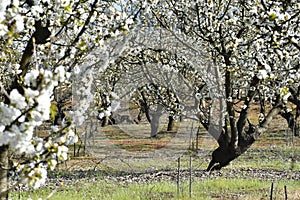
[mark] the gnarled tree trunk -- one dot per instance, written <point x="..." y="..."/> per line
<point x="3" y="172"/>
<point x="225" y="153"/>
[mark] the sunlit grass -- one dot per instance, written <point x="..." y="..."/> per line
<point x="273" y="151"/>
<point x="218" y="188"/>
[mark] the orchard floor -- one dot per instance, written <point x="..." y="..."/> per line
<point x="128" y="164"/>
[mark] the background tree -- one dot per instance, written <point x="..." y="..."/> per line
<point x="252" y="43"/>
<point x="158" y="79"/>
<point x="41" y="43"/>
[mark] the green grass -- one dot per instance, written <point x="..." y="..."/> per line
<point x="274" y="165"/>
<point x="201" y="189"/>
<point x="270" y="152"/>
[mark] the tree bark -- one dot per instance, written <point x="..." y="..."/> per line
<point x="104" y="121"/>
<point x="226" y="152"/>
<point x="40" y="36"/>
<point x="229" y="101"/>
<point x="155" y="120"/>
<point x="171" y="124"/>
<point x="291" y="121"/>
<point x="154" y="125"/>
<point x="4" y="172"/>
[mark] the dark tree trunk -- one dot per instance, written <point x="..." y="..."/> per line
<point x="293" y="120"/>
<point x="225" y="153"/>
<point x="292" y="123"/>
<point x="104" y="121"/>
<point x="4" y="172"/>
<point x="171" y="124"/>
<point x="235" y="140"/>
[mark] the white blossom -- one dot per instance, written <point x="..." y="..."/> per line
<point x="19" y="23"/>
<point x="3" y="6"/>
<point x="286" y="96"/>
<point x="17" y="99"/>
<point x="30" y="93"/>
<point x="64" y="3"/>
<point x="60" y="71"/>
<point x="44" y="103"/>
<point x="36" y="10"/>
<point x="52" y="164"/>
<point x="37" y="177"/>
<point x="71" y="137"/>
<point x="244" y="106"/>
<point x="62" y="153"/>
<point x="114" y="95"/>
<point x="262" y="74"/>
<point x="198" y="96"/>
<point x="3" y="29"/>
<point x="31" y="76"/>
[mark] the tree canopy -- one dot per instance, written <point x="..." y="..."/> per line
<point x="220" y="49"/>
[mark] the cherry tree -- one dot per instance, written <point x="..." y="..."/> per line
<point x="42" y="42"/>
<point x="253" y="44"/>
<point x="154" y="76"/>
<point x="170" y="83"/>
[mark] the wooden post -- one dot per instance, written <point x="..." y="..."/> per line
<point x="191" y="143"/>
<point x="193" y="146"/>
<point x="190" y="185"/>
<point x="178" y="178"/>
<point x="285" y="193"/>
<point x="74" y="151"/>
<point x="197" y="139"/>
<point x="84" y="145"/>
<point x="85" y="138"/>
<point x="271" y="195"/>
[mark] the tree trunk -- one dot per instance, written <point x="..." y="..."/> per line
<point x="171" y="124"/>
<point x="105" y="121"/>
<point x="225" y="153"/>
<point x="154" y="125"/>
<point x="289" y="117"/>
<point x="40" y="36"/>
<point x="3" y="172"/>
<point x="155" y="116"/>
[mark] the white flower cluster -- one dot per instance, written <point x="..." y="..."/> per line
<point x="30" y="108"/>
<point x="262" y="74"/>
<point x="12" y="116"/>
<point x="82" y="95"/>
<point x="24" y="113"/>
<point x="36" y="177"/>
<point x="64" y="3"/>
<point x="10" y="14"/>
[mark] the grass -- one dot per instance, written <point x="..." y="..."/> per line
<point x="276" y="158"/>
<point x="274" y="165"/>
<point x="273" y="151"/>
<point x="217" y="188"/>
